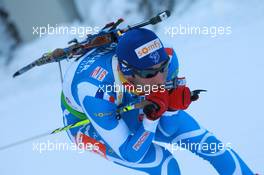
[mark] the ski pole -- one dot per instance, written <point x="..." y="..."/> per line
<point x="68" y="127"/>
<point x="71" y="126"/>
<point x="65" y="128"/>
<point x="127" y="108"/>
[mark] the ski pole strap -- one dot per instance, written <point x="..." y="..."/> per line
<point x="77" y="114"/>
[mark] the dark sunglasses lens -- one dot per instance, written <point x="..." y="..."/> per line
<point x="152" y="72"/>
<point x="147" y="73"/>
<point x="150" y="75"/>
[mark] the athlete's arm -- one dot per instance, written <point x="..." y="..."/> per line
<point x="102" y="114"/>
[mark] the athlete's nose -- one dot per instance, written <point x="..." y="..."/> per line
<point x="159" y="79"/>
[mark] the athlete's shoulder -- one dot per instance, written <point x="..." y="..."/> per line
<point x="92" y="70"/>
<point x="96" y="67"/>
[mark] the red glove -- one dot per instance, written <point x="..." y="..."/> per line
<point x="160" y="101"/>
<point x="179" y="98"/>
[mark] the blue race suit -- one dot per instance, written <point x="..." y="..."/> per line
<point x="129" y="141"/>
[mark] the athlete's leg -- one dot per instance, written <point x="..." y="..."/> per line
<point x="157" y="160"/>
<point x="181" y="129"/>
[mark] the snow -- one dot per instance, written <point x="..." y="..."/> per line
<point x="230" y="67"/>
<point x="91" y="11"/>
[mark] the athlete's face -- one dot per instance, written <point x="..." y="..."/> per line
<point x="159" y="77"/>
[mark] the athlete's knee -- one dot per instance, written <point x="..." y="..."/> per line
<point x="177" y="122"/>
<point x="185" y="119"/>
<point x="219" y="154"/>
<point x="128" y="155"/>
<point x="167" y="124"/>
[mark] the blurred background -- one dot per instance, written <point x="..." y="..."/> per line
<point x="229" y="66"/>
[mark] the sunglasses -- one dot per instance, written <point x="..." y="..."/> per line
<point x="149" y="73"/>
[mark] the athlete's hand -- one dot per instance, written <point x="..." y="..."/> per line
<point x="159" y="105"/>
<point x="180" y="98"/>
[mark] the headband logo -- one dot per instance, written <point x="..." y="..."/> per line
<point x="155" y="57"/>
<point x="148" y="48"/>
